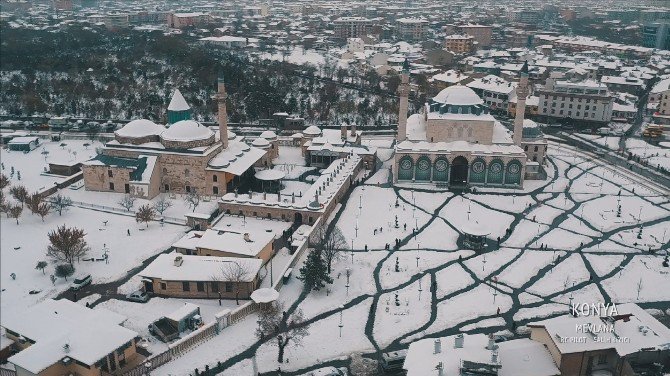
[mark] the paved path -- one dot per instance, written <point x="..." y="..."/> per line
<point x="576" y="171"/>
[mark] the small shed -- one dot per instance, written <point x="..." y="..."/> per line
<point x="474" y="234"/>
<point x="186" y="317"/>
<point x="25" y="143"/>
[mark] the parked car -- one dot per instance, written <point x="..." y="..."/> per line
<point x="392" y="361"/>
<point x="328" y="371"/>
<point x="138" y="296"/>
<point x="80" y="282"/>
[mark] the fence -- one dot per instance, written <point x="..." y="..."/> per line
<point x="109" y="209"/>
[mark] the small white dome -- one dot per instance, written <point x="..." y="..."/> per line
<point x="140" y="128"/>
<point x="260" y="142"/>
<point x="187" y="130"/>
<point x="269" y="135"/>
<point x="528" y="123"/>
<point x="296" y="135"/>
<point x="458" y="95"/>
<point x="312" y="130"/>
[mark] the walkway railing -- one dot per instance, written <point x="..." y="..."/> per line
<point x="109" y="209"/>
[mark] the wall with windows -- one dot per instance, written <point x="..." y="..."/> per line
<point x="205" y="289"/>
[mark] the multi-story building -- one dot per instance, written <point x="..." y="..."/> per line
<point x="459" y="43"/>
<point x="656" y="35"/>
<point x="608" y="343"/>
<point x="630" y="85"/>
<point x="525" y="16"/>
<point x="182" y="20"/>
<point x="116" y="21"/>
<point x="587" y="101"/>
<point x="411" y="29"/>
<point x="61" y="337"/>
<point x="495" y="91"/>
<point x="352" y="27"/>
<point x="481" y="33"/>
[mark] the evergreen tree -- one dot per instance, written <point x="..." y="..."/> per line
<point x="315" y="272"/>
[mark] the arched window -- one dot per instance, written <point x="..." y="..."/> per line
<point x="406" y="168"/>
<point x="164" y="171"/>
<point x="513" y="173"/>
<point x="215" y="178"/>
<point x="495" y="172"/>
<point x="441" y="170"/>
<point x="422" y="171"/>
<point x="187" y="173"/>
<point x="477" y="171"/>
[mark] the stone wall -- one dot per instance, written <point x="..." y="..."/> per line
<point x="96" y="178"/>
<point x="171" y="144"/>
<point x="475" y="131"/>
<point x="175" y="289"/>
<point x="137" y="140"/>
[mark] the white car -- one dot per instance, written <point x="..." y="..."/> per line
<point x="80" y="282"/>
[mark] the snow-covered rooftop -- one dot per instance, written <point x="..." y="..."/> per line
<point x="236" y="158"/>
<point x="91" y="334"/>
<point x="198" y="268"/>
<point x="458" y="95"/>
<point x="178" y="103"/>
<point x="140" y="128"/>
<point x="187" y="130"/>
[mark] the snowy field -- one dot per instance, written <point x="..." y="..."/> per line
<point x="655" y="155"/>
<point x="431" y="284"/>
<point x="584" y="234"/>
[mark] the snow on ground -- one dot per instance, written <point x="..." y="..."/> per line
<point x="31" y="165"/>
<point x="423" y="200"/>
<point x="578" y="226"/>
<point x="569" y="271"/>
<point x="544" y="214"/>
<point x="140" y="315"/>
<point x="587" y="294"/>
<point x="510" y="204"/>
<point x="544" y="310"/>
<point x="409" y="312"/>
<point x="377" y="199"/>
<point x="451" y="279"/>
<point x="289" y="155"/>
<point x="601" y="212"/>
<point x="562" y="239"/>
<point x="455" y="212"/>
<point x="296" y="188"/>
<point x="524" y="232"/>
<point x="438" y="235"/>
<point x="655" y="155"/>
<point x="561" y="202"/>
<point x="382" y="176"/>
<point x="26" y="244"/>
<point x="323" y="341"/>
<point x="644" y="271"/>
<point x="484" y="265"/>
<point x="526" y="267"/>
<point x="409" y="265"/>
<point x="603" y="264"/>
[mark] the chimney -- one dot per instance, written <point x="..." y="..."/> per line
<point x="492" y="343"/>
<point x="458" y="341"/>
<point x="247" y="238"/>
<point x="353" y="129"/>
<point x="343" y="131"/>
<point x="438" y="346"/>
<point x="178" y="261"/>
<point x="494" y="357"/>
<point x="440" y="369"/>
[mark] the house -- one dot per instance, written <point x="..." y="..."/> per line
<point x="478" y="354"/>
<point x="25" y="143"/>
<point x="227" y="243"/>
<point x="614" y="343"/>
<point x="60" y="337"/>
<point x="202" y="277"/>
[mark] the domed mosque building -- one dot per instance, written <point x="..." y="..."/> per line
<point x="146" y="158"/>
<point x="456" y="143"/>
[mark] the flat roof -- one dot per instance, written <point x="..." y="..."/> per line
<point x="199" y="268"/>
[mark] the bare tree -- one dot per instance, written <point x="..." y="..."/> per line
<point x="146" y="213"/>
<point x="234" y="272"/>
<point x="60" y="203"/>
<point x="67" y="244"/>
<point x="162" y="204"/>
<point x="193" y="199"/>
<point x="42" y="210"/>
<point x="330" y="243"/>
<point x="127" y="202"/>
<point x="37" y="205"/>
<point x="275" y="322"/>
<point x="15" y="212"/>
<point x="4" y="181"/>
<point x="20" y="193"/>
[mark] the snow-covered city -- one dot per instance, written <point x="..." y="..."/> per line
<point x="334" y="188"/>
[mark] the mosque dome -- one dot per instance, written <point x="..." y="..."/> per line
<point x="260" y="142"/>
<point x="187" y="134"/>
<point x="269" y="135"/>
<point x="312" y="130"/>
<point x="139" y="131"/>
<point x="458" y="95"/>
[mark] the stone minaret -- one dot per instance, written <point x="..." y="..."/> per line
<point x="521" y="95"/>
<point x="222" y="115"/>
<point x="403" y="91"/>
